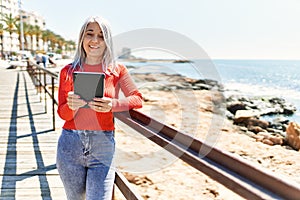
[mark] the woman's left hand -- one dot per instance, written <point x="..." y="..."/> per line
<point x="101" y="104"/>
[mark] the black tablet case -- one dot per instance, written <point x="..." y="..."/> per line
<point x="88" y="84"/>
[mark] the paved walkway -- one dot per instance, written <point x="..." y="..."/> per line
<point x="27" y="143"/>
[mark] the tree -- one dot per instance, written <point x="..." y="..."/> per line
<point x="10" y="22"/>
<point x="38" y="33"/>
<point x="70" y="46"/>
<point x="31" y="34"/>
<point x="26" y="33"/>
<point x="61" y="44"/>
<point x="46" y="36"/>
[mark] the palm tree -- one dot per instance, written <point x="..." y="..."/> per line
<point x="31" y="33"/>
<point x="37" y="31"/>
<point x="61" y="44"/>
<point x="70" y="46"/>
<point x="49" y="37"/>
<point x="25" y="33"/>
<point x="10" y="22"/>
<point x="46" y="36"/>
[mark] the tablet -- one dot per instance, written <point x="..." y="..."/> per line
<point x="88" y="84"/>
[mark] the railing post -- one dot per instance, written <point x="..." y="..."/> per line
<point x="113" y="193"/>
<point x="45" y="93"/>
<point x="40" y="84"/>
<point x="53" y="106"/>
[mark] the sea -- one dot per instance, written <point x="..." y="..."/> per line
<point x="268" y="78"/>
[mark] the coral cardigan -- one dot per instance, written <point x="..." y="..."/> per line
<point x="88" y="119"/>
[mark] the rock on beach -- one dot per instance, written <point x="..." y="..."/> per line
<point x="293" y="135"/>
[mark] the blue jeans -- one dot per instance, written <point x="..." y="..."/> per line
<point x="84" y="162"/>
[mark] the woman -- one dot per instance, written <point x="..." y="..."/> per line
<point x="86" y="146"/>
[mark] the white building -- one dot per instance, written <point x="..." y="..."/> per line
<point x="11" y="43"/>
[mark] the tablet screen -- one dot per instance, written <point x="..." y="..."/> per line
<point x="88" y="84"/>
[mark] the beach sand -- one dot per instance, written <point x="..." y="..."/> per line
<point x="156" y="174"/>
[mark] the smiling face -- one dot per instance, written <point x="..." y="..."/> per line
<point x="93" y="44"/>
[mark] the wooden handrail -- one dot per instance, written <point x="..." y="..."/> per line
<point x="233" y="172"/>
<point x="125" y="187"/>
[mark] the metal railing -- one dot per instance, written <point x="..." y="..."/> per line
<point x="42" y="78"/>
<point x="233" y="172"/>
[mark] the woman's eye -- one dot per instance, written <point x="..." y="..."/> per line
<point x="91" y="35"/>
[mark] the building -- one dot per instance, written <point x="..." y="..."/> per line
<point x="12" y="43"/>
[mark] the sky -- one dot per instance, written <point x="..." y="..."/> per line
<point x="224" y="29"/>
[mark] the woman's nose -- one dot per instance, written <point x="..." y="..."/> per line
<point x="95" y="39"/>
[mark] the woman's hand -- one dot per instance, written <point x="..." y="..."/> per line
<point x="74" y="102"/>
<point x="101" y="104"/>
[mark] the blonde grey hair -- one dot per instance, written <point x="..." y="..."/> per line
<point x="108" y="56"/>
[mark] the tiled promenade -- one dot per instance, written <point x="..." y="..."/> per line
<point x="27" y="143"/>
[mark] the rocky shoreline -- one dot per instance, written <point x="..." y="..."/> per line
<point x="246" y="112"/>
